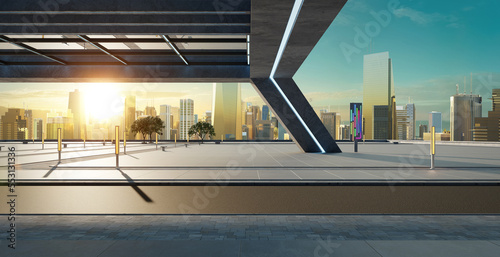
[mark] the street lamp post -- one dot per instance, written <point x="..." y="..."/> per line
<point x="433" y="145"/>
<point x="117" y="145"/>
<point x="59" y="143"/>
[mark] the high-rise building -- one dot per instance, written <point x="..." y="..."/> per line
<point x="14" y="124"/>
<point x="77" y="107"/>
<point x="129" y="116"/>
<point x="208" y="117"/>
<point x="331" y="120"/>
<point x="226" y="110"/>
<point x="410" y="112"/>
<point x="253" y="114"/>
<point x="195" y="118"/>
<point x="150" y="111"/>
<point x="38" y="128"/>
<point x="63" y="121"/>
<point x="186" y="117"/>
<point x="165" y="116"/>
<point x="378" y="90"/>
<point x="381" y="122"/>
<point x="28" y="114"/>
<point x="263" y="130"/>
<point x="266" y="114"/>
<point x="174" y="122"/>
<point x="488" y="128"/>
<point x="402" y="122"/>
<point x="345" y="132"/>
<point x="435" y="121"/>
<point x="464" y="109"/>
<point x="356" y="121"/>
<point x="421" y="130"/>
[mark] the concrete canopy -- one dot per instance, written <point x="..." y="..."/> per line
<point x="89" y="24"/>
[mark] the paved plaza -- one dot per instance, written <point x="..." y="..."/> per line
<point x="256" y="235"/>
<point x="376" y="162"/>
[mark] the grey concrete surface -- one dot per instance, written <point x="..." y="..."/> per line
<point x="255" y="235"/>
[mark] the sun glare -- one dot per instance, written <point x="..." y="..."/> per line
<point x="102" y="101"/>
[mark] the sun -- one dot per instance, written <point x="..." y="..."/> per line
<point x="102" y="101"/>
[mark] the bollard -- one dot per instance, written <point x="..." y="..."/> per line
<point x="117" y="145"/>
<point x="433" y="145"/>
<point x="175" y="140"/>
<point x="43" y="142"/>
<point x="355" y="145"/>
<point x="59" y="143"/>
<point x="156" y="141"/>
<point x="124" y="143"/>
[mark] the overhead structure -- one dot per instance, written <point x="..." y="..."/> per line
<point x="255" y="41"/>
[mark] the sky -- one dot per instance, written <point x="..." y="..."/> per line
<point x="433" y="46"/>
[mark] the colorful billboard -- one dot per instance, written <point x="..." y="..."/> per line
<point x="356" y="115"/>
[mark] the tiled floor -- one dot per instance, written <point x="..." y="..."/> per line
<point x="256" y="235"/>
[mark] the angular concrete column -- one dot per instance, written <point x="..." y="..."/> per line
<point x="302" y="124"/>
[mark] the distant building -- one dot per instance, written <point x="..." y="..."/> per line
<point x="421" y="130"/>
<point x="28" y="114"/>
<point x="381" y="122"/>
<point x="76" y="106"/>
<point x="435" y="121"/>
<point x="331" y="120"/>
<point x="38" y="128"/>
<point x="281" y="131"/>
<point x="195" y="118"/>
<point x="63" y="121"/>
<point x="175" y="120"/>
<point x="410" y="112"/>
<point x="345" y="132"/>
<point x="208" y="117"/>
<point x="226" y="111"/>
<point x="129" y="116"/>
<point x="263" y="129"/>
<point x="150" y="111"/>
<point x="186" y="117"/>
<point x="165" y="116"/>
<point x="14" y="124"/>
<point x="402" y="122"/>
<point x="266" y="114"/>
<point x="464" y="109"/>
<point x="488" y="128"/>
<point x="252" y="115"/>
<point x="378" y="90"/>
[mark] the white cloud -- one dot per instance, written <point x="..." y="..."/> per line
<point x="426" y="18"/>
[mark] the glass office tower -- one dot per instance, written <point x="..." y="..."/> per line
<point x="378" y="89"/>
<point x="186" y="117"/>
<point x="435" y="121"/>
<point x="226" y="111"/>
<point x="464" y="108"/>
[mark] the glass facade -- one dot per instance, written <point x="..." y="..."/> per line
<point x="378" y="89"/>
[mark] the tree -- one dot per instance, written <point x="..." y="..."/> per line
<point x="155" y="126"/>
<point x="140" y="126"/>
<point x="147" y="126"/>
<point x="202" y="129"/>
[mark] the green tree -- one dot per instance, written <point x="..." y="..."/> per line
<point x="147" y="126"/>
<point x="140" y="126"/>
<point x="202" y="129"/>
<point x="155" y="126"/>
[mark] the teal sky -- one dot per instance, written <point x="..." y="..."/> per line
<point x="432" y="44"/>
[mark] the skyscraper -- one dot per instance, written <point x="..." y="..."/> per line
<point x="226" y="110"/>
<point x="77" y="108"/>
<point x="402" y="122"/>
<point x="488" y="128"/>
<point x="356" y="114"/>
<point x="378" y="89"/>
<point x="38" y="128"/>
<point x="165" y="116"/>
<point x="129" y="116"/>
<point x="63" y="121"/>
<point x="421" y="130"/>
<point x="14" y="125"/>
<point x="175" y="119"/>
<point x="150" y="111"/>
<point x="464" y="108"/>
<point x="435" y="121"/>
<point x="208" y="117"/>
<point x="331" y="120"/>
<point x="186" y="117"/>
<point x="266" y="114"/>
<point x="381" y="122"/>
<point x="410" y="112"/>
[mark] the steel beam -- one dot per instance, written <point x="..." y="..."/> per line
<point x="167" y="39"/>
<point x="129" y="40"/>
<point x="31" y="49"/>
<point x="102" y="48"/>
